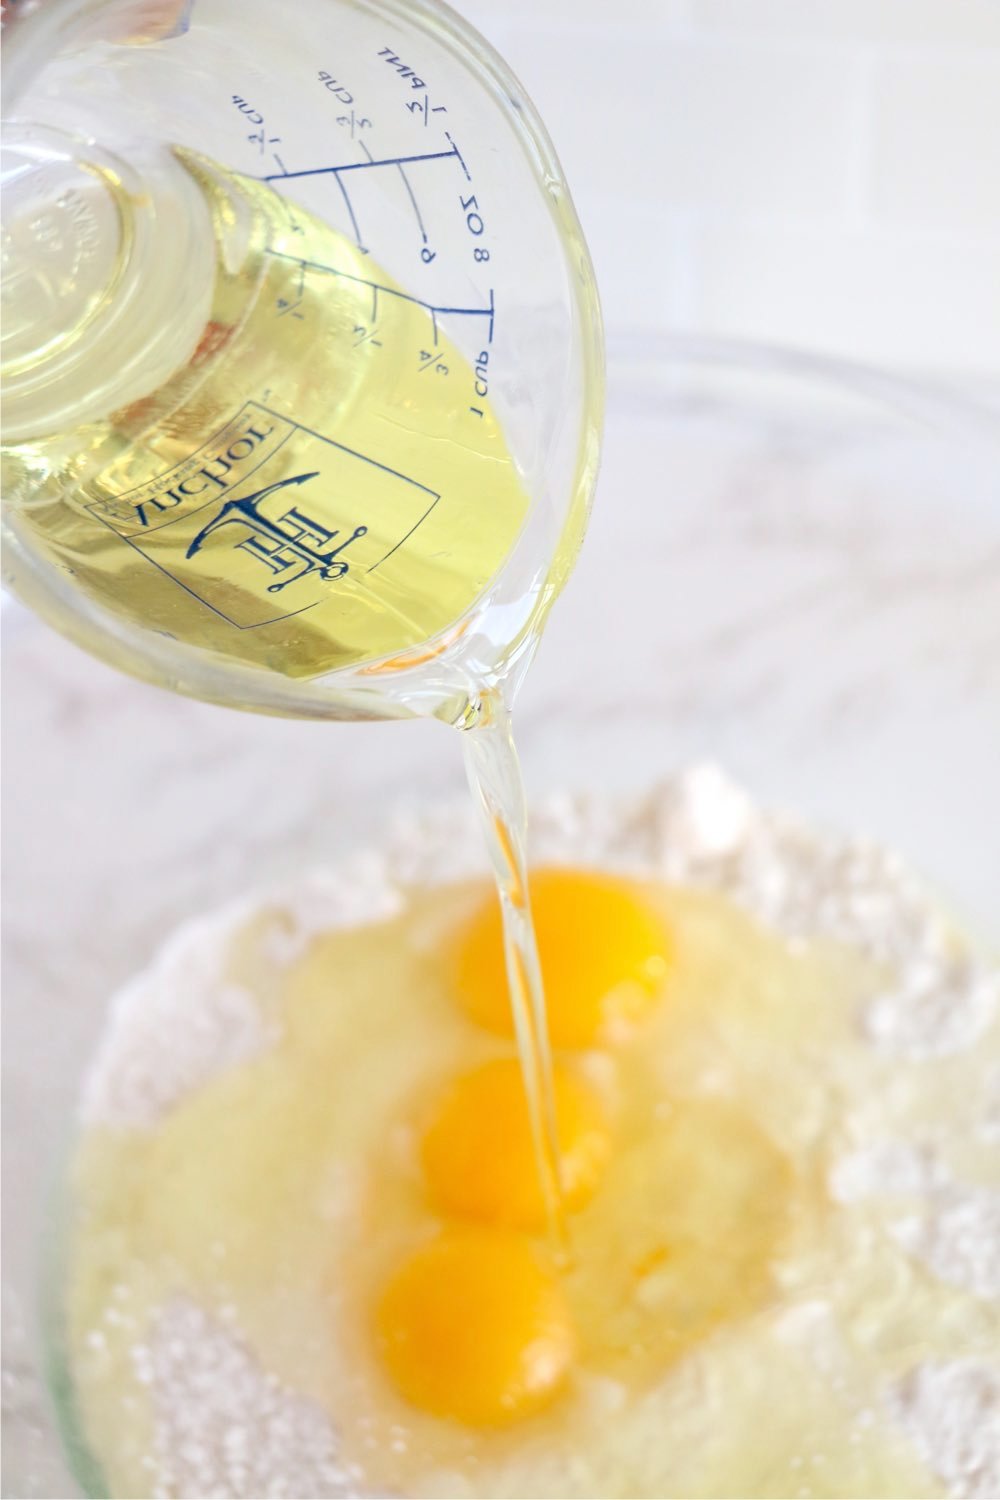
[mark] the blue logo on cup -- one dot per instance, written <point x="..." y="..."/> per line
<point x="250" y="541"/>
<point x="290" y="545"/>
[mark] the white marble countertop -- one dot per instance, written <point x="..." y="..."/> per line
<point x="772" y="578"/>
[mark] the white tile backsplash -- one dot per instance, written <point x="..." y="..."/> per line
<point x="936" y="142"/>
<point x="687" y="122"/>
<point x="937" y="23"/>
<point x="880" y="296"/>
<point x="602" y="15"/>
<point x="824" y="173"/>
<point x="642" y="255"/>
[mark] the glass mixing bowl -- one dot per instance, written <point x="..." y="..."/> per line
<point x="793" y="570"/>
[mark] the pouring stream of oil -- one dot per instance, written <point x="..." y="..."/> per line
<point x="498" y="791"/>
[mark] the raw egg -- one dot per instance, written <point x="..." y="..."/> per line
<point x="474" y="1326"/>
<point x="478" y="1154"/>
<point x="604" y="953"/>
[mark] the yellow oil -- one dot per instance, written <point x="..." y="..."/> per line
<point x="494" y="776"/>
<point x="314" y="485"/>
<point x="280" y="1194"/>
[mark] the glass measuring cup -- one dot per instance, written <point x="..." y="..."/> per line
<point x="302" y="350"/>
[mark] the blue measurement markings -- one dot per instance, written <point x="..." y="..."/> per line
<point x="336" y="170"/>
<point x="363" y="166"/>
<point x="286" y="306"/>
<point x="436" y="310"/>
<point x="259" y="137"/>
<point x="429" y="361"/>
<point x="354" y="122"/>
<point x="461" y="158"/>
<point x="416" y="106"/>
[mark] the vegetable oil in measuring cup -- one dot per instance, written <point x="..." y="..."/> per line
<point x="301" y="490"/>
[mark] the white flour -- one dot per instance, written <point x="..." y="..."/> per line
<point x="178" y="1025"/>
<point x="952" y="1413"/>
<point x="224" y="1427"/>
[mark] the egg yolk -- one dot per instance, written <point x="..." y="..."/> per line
<point x="604" y="952"/>
<point x="474" y="1326"/>
<point x="478" y="1153"/>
